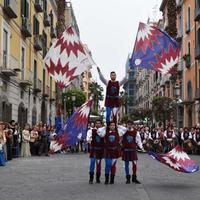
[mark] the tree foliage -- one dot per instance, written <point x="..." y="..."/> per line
<point x="96" y="90"/>
<point x="80" y="99"/>
<point x="163" y="108"/>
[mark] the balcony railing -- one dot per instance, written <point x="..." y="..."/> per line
<point x="39" y="5"/>
<point x="197" y="14"/>
<point x="46" y="91"/>
<point x="38" y="42"/>
<point x="37" y="85"/>
<point x="26" y="27"/>
<point x="188" y="60"/>
<point x="10" y="8"/>
<point x="10" y="65"/>
<point x="47" y="19"/>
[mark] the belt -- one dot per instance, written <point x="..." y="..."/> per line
<point x="112" y="97"/>
<point x="127" y="150"/>
<point x="112" y="148"/>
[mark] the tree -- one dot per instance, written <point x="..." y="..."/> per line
<point x="96" y="90"/>
<point x="163" y="108"/>
<point x="67" y="99"/>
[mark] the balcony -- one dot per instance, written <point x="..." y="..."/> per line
<point x="10" y="65"/>
<point x="197" y="52"/>
<point x="25" y="83"/>
<point x="38" y="42"/>
<point x="10" y="8"/>
<point x="53" y="32"/>
<point x="37" y="87"/>
<point x="187" y="58"/>
<point x="26" y="27"/>
<point x="197" y="14"/>
<point x="39" y="5"/>
<point x="46" y="91"/>
<point x="47" y="19"/>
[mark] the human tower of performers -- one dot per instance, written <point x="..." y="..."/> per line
<point x="114" y="141"/>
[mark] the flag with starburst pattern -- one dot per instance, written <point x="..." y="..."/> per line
<point x="67" y="58"/>
<point x="74" y="129"/>
<point x="177" y="159"/>
<point x="154" y="49"/>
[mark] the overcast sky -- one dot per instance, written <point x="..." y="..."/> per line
<point x="109" y="29"/>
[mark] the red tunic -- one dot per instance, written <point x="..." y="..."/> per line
<point x="112" y="146"/>
<point x="97" y="145"/>
<point x="129" y="146"/>
<point x="112" y="94"/>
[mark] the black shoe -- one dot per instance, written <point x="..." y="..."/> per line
<point x="134" y="179"/>
<point x="106" y="179"/>
<point x="128" y="179"/>
<point x="112" y="178"/>
<point x="98" y="174"/>
<point x="91" y="178"/>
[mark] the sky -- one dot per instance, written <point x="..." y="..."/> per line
<point x="109" y="28"/>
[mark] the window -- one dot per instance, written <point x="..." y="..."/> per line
<point x="24" y="8"/>
<point x="22" y="63"/>
<point x="44" y="79"/>
<point x="35" y="73"/>
<point x="36" y="26"/>
<point x="198" y="3"/>
<point x="51" y="16"/>
<point x="198" y="38"/>
<point x="45" y="5"/>
<point x="189" y="90"/>
<point x="50" y="83"/>
<point x="5" y="48"/>
<point x="188" y="19"/>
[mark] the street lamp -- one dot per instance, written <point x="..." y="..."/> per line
<point x="177" y="95"/>
<point x="73" y="102"/>
<point x="64" y="100"/>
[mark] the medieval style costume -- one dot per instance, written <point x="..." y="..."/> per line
<point x="96" y="152"/>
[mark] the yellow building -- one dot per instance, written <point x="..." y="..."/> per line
<point x="27" y="93"/>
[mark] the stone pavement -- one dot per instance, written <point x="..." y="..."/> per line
<point x="65" y="177"/>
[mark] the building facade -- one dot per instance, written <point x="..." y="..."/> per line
<point x="27" y="93"/>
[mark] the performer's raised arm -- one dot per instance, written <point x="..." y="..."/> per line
<point x="102" y="78"/>
<point x="124" y="80"/>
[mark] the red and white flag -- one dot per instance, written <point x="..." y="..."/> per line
<point x="67" y="58"/>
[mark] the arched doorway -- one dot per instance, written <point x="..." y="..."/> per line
<point x="44" y="112"/>
<point x="5" y="109"/>
<point x="22" y="115"/>
<point x="34" y="116"/>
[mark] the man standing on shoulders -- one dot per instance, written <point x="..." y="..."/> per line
<point x="112" y="101"/>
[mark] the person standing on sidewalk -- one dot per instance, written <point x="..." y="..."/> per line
<point x="130" y="140"/>
<point x="96" y="151"/>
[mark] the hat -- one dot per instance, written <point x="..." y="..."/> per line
<point x="2" y="123"/>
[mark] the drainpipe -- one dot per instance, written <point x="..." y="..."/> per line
<point x="196" y="75"/>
